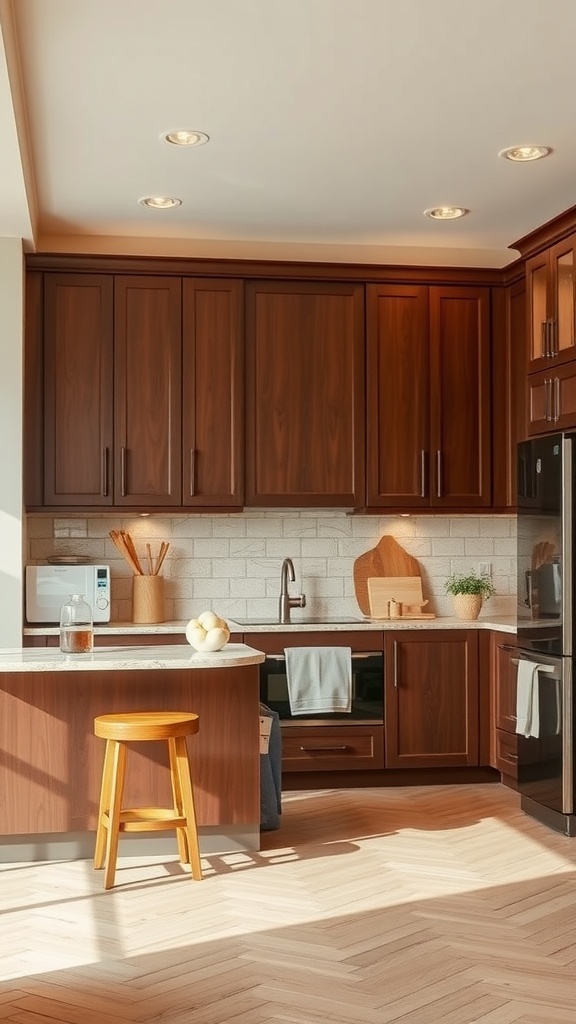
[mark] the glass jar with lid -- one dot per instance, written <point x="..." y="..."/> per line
<point x="76" y="627"/>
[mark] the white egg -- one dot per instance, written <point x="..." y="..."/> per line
<point x="195" y="635"/>
<point x="216" y="639"/>
<point x="209" y="620"/>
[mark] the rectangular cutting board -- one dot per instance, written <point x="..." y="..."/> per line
<point x="407" y="590"/>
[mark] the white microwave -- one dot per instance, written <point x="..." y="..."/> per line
<point x="48" y="587"/>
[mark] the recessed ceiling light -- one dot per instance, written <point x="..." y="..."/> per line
<point x="446" y="212"/>
<point x="522" y="154"/>
<point x="185" y="137"/>
<point x="160" y="202"/>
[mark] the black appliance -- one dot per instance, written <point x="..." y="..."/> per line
<point x="545" y="554"/>
<point x="367" y="691"/>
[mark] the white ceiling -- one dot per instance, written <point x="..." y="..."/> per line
<point x="333" y="124"/>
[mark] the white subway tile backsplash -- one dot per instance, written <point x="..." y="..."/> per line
<point x="479" y="547"/>
<point x="192" y="526"/>
<point x="280" y="548"/>
<point x="464" y="527"/>
<point x="229" y="526"/>
<point x="215" y="547"/>
<point x="263" y="527"/>
<point x="453" y="546"/>
<point x="232" y="562"/>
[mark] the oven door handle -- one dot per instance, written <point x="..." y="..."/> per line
<point x="361" y="656"/>
<point x="548" y="670"/>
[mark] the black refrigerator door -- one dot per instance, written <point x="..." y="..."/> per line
<point x="544" y="487"/>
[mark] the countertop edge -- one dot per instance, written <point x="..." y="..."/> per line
<point x="498" y="623"/>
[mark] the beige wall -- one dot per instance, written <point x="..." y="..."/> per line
<point x="11" y="517"/>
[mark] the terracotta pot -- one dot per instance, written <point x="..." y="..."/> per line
<point x="467" y="606"/>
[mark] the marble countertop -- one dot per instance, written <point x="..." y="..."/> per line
<point x="500" y="623"/>
<point x="108" y="659"/>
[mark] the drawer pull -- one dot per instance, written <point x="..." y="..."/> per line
<point x="308" y="750"/>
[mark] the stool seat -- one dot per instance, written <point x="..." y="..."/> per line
<point x="136" y="726"/>
<point x="146" y="725"/>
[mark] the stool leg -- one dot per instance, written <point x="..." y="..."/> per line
<point x="104" y="807"/>
<point x="183" y="769"/>
<point x="117" y="788"/>
<point x="178" y="806"/>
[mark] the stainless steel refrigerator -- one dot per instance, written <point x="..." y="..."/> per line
<point x="545" y="704"/>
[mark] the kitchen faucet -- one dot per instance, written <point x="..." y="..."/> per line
<point x="287" y="602"/>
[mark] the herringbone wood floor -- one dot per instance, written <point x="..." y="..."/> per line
<point x="440" y="905"/>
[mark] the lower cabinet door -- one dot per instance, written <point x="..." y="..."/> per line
<point x="431" y="699"/>
<point x="506" y="753"/>
<point x="332" y="748"/>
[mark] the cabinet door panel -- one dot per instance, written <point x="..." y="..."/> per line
<point x="431" y="714"/>
<point x="397" y="396"/>
<point x="538" y="292"/>
<point x="460" y="397"/>
<point x="78" y="324"/>
<point x="552" y="399"/>
<point x="148" y="396"/>
<point x="551" y="306"/>
<point x="213" y="406"/>
<point x="305" y="394"/>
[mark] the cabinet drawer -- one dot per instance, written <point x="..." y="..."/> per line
<point x="507" y="753"/>
<point x="331" y="748"/>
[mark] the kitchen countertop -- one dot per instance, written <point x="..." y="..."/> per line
<point x="108" y="659"/>
<point x="500" y="623"/>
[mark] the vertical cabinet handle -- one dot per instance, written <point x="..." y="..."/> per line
<point x="553" y="343"/>
<point x="547" y="401"/>
<point x="423" y="482"/>
<point x="556" y="399"/>
<point x="192" y="472"/>
<point x="104" y="476"/>
<point x="544" y="338"/>
<point x="396" y="664"/>
<point x="438" y="474"/>
<point x="123" y="472"/>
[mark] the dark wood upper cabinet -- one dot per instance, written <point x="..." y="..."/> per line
<point x="428" y="379"/>
<point x="398" y="395"/>
<point x="551" y="306"/>
<point x="305" y="394"/>
<point x="213" y="393"/>
<point x="147" y="391"/>
<point x="78" y="374"/>
<point x="508" y="389"/>
<point x="432" y="699"/>
<point x="460" y="432"/>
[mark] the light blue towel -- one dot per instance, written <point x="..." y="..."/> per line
<point x="319" y="679"/>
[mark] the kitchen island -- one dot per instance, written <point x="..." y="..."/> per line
<point x="51" y="762"/>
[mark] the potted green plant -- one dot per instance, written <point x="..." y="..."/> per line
<point x="468" y="591"/>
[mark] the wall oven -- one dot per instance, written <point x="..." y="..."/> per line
<point x="367" y="691"/>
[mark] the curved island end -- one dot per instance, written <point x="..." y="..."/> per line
<point x="51" y="762"/>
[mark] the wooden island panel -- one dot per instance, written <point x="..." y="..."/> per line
<point x="52" y="762"/>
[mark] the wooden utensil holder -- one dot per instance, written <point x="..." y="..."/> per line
<point x="148" y="599"/>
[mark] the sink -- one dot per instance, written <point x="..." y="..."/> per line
<point x="312" y="620"/>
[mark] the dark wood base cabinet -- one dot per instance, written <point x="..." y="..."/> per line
<point x="432" y="699"/>
<point x="503" y="738"/>
<point x="332" y="748"/>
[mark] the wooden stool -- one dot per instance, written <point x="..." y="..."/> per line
<point x="118" y="730"/>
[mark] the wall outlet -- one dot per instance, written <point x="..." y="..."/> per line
<point x="485" y="568"/>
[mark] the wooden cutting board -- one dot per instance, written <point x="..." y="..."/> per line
<point x="406" y="590"/>
<point x="388" y="558"/>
